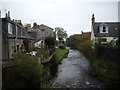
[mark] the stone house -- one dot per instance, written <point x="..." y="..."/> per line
<point x="13" y="35"/>
<point x="40" y="32"/>
<point x="108" y="31"/>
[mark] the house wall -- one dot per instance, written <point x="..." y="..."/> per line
<point x="11" y="47"/>
<point x="43" y="32"/>
<point x="14" y="45"/>
<point x="0" y="40"/>
<point x="92" y="33"/>
<point x="5" y="51"/>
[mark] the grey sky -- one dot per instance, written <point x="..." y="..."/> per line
<point x="73" y="15"/>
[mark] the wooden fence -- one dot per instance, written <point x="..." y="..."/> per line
<point x="112" y="54"/>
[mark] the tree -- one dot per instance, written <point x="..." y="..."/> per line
<point x="50" y="41"/>
<point x="61" y="33"/>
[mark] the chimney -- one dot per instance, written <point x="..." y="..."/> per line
<point x="82" y="32"/>
<point x="0" y="13"/>
<point x="8" y="14"/>
<point x="15" y="21"/>
<point x="93" y="20"/>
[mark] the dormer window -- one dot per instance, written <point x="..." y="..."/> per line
<point x="103" y="28"/>
<point x="10" y="29"/>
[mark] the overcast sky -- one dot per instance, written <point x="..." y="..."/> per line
<point x="73" y="15"/>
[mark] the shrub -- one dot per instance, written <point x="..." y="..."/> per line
<point x="62" y="46"/>
<point x="86" y="48"/>
<point x="50" y="41"/>
<point x="28" y="70"/>
<point x="107" y="72"/>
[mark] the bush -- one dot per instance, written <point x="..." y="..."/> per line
<point x="107" y="72"/>
<point x="28" y="71"/>
<point x="62" y="46"/>
<point x="50" y="42"/>
<point x="86" y="48"/>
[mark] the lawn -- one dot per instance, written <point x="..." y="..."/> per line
<point x="60" y="53"/>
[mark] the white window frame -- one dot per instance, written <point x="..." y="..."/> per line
<point x="10" y="29"/>
<point x="101" y="28"/>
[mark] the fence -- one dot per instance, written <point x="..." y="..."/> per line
<point x="112" y="54"/>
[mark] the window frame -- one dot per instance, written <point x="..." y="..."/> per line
<point x="10" y="28"/>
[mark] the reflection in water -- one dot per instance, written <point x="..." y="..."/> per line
<point x="72" y="72"/>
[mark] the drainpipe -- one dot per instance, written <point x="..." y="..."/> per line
<point x="16" y="34"/>
<point x="0" y="13"/>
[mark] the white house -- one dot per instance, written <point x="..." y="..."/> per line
<point x="106" y="30"/>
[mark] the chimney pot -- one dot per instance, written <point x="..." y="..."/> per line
<point x="8" y="14"/>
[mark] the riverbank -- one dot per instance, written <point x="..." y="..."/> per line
<point x="107" y="72"/>
<point x="29" y="73"/>
<point x="50" y="68"/>
<point x="102" y="68"/>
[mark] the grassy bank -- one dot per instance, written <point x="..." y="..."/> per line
<point x="52" y="66"/>
<point x="60" y="54"/>
<point x="107" y="72"/>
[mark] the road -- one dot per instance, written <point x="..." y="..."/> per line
<point x="73" y="72"/>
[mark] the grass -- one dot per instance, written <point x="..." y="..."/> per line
<point x="107" y="72"/>
<point x="60" y="53"/>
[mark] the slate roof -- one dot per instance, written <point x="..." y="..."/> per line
<point x="32" y="33"/>
<point x="112" y="29"/>
<point x="21" y="33"/>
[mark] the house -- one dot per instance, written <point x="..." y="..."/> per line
<point x="83" y="36"/>
<point x="107" y="31"/>
<point x="13" y="36"/>
<point x="40" y="32"/>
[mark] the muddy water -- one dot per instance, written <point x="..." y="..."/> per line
<point x="73" y="72"/>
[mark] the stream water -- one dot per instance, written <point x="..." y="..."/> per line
<point x="73" y="72"/>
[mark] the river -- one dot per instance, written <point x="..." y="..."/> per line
<point x="73" y="72"/>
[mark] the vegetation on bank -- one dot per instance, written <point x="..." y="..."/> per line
<point x="105" y="70"/>
<point x="52" y="66"/>
<point x="60" y="54"/>
<point x="26" y="74"/>
<point x="29" y="73"/>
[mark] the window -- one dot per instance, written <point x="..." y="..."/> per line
<point x="10" y="28"/>
<point x="104" y="29"/>
<point x="98" y="29"/>
<point x="116" y="29"/>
